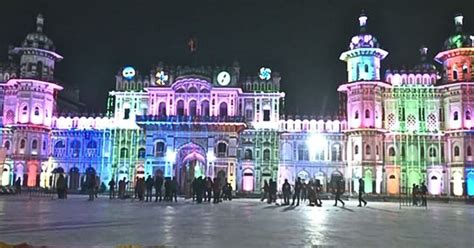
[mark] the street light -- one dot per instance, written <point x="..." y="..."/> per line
<point x="316" y="142"/>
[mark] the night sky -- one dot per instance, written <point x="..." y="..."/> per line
<point x="300" y="39"/>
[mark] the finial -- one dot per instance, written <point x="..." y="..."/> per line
<point x="423" y="52"/>
<point x="458" y="22"/>
<point x="362" y="21"/>
<point x="39" y="23"/>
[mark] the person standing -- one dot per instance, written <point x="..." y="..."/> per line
<point x="304" y="189"/>
<point x="194" y="189"/>
<point x="265" y="190"/>
<point x="60" y="186"/>
<point x="158" y="186"/>
<point x="96" y="186"/>
<point x="339" y="191"/>
<point x="297" y="193"/>
<point x="217" y="189"/>
<point x="174" y="190"/>
<point x="361" y="192"/>
<point x="423" y="193"/>
<point x="317" y="189"/>
<point x="112" y="189"/>
<point x="135" y="190"/>
<point x="229" y="191"/>
<point x="121" y="189"/>
<point x="286" y="189"/>
<point x="149" y="188"/>
<point x="414" y="195"/>
<point x="209" y="188"/>
<point x="167" y="189"/>
<point x="91" y="186"/>
<point x="18" y="186"/>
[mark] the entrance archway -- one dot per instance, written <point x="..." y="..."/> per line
<point x="434" y="183"/>
<point x="322" y="180"/>
<point x="470" y="183"/>
<point x="368" y="187"/>
<point x="191" y="165"/>
<point x="74" y="178"/>
<point x="6" y="175"/>
<point x="457" y="183"/>
<point x="32" y="173"/>
<point x="247" y="180"/>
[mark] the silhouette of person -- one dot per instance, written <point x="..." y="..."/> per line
<point x="361" y="192"/>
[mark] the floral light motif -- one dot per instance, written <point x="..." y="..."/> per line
<point x="161" y="78"/>
<point x="265" y="73"/>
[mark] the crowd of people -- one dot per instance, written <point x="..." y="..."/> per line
<point x="202" y="189"/>
<point x="143" y="190"/>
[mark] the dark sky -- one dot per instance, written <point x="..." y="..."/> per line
<point x="300" y="39"/>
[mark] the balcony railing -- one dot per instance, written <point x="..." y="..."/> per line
<point x="189" y="119"/>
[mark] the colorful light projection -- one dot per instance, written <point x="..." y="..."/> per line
<point x="223" y="78"/>
<point x="128" y="72"/>
<point x="265" y="73"/>
<point x="161" y="78"/>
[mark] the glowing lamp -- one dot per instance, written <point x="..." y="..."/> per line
<point x="171" y="156"/>
<point x="316" y="142"/>
<point x="128" y="72"/>
<point x="265" y="73"/>
<point x="210" y="156"/>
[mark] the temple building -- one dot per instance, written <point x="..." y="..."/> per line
<point x="394" y="130"/>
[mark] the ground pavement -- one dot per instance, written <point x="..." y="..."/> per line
<point x="240" y="223"/>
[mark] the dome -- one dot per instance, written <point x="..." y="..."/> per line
<point x="38" y="39"/>
<point x="459" y="39"/>
<point x="363" y="39"/>
<point x="424" y="65"/>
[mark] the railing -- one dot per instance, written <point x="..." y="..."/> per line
<point x="175" y="118"/>
<point x="40" y="192"/>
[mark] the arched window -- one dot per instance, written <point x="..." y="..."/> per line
<point x="455" y="74"/>
<point x="356" y="115"/>
<point x="124" y="152"/>
<point x="391" y="152"/>
<point x="377" y="150"/>
<point x="160" y="149"/>
<point x="456" y="151"/>
<point x="432" y="152"/>
<point x="39" y="69"/>
<point x="37" y="111"/>
<point x="455" y="115"/>
<point x="34" y="144"/>
<point x="367" y="113"/>
<point x="266" y="155"/>
<point x="356" y="149"/>
<point x="248" y="154"/>
<point x="141" y="153"/>
<point x="24" y="110"/>
<point x="22" y="144"/>
<point x="336" y="154"/>
<point x="468" y="115"/>
<point x="180" y="108"/>
<point x="192" y="90"/>
<point x="59" y="144"/>
<point x="162" y="109"/>
<point x="92" y="144"/>
<point x="192" y="107"/>
<point x="468" y="152"/>
<point x="75" y="148"/>
<point x="223" y="109"/>
<point x="221" y="149"/>
<point x="464" y="70"/>
<point x="205" y="108"/>
<point x="367" y="150"/>
<point x="366" y="68"/>
<point x="7" y="145"/>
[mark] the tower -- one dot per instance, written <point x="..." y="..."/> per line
<point x="364" y="108"/>
<point x="458" y="99"/>
<point x="29" y="105"/>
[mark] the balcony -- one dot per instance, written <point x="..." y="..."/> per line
<point x="146" y="119"/>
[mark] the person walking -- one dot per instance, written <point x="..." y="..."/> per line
<point x="174" y="190"/>
<point x="112" y="189"/>
<point x="297" y="193"/>
<point x="339" y="192"/>
<point x="361" y="192"/>
<point x="158" y="186"/>
<point x="286" y="189"/>
<point x="265" y="190"/>
<point x="149" y="188"/>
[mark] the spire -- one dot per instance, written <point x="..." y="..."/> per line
<point x="363" y="22"/>
<point x="458" y="22"/>
<point x="423" y="53"/>
<point x="39" y="23"/>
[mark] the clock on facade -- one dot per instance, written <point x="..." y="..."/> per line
<point x="265" y="73"/>
<point x="223" y="78"/>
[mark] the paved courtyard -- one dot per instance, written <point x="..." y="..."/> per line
<point x="240" y="223"/>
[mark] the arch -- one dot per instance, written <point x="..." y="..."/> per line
<point x="413" y="178"/>
<point x="32" y="173"/>
<point x="457" y="183"/>
<point x="223" y="109"/>
<point x="205" y="108"/>
<point x="75" y="148"/>
<point x="391" y="151"/>
<point x="248" y="154"/>
<point x="39" y="69"/>
<point x="304" y="175"/>
<point x="92" y="144"/>
<point x="34" y="144"/>
<point x="162" y="109"/>
<point x="287" y="151"/>
<point x="469" y="151"/>
<point x="366" y="68"/>
<point x="192" y="89"/>
<point x="356" y="114"/>
<point x="367" y="149"/>
<point x="468" y="115"/>
<point x="59" y="144"/>
<point x="455" y="74"/>
<point x="434" y="183"/>
<point x="22" y="144"/>
<point x="456" y="151"/>
<point x="7" y="145"/>
<point x="455" y="116"/>
<point x="336" y="154"/>
<point x="192" y="108"/>
<point x="141" y="152"/>
<point x="6" y="173"/>
<point x="470" y="183"/>
<point x="247" y="180"/>
<point x="221" y="149"/>
<point x="367" y="114"/>
<point x="368" y="181"/>
<point x="74" y="178"/>
<point x="180" y="90"/>
<point x="123" y="152"/>
<point x="356" y="149"/>
<point x="37" y="111"/>
<point x="392" y="184"/>
<point x="180" y="108"/>
<point x="160" y="149"/>
<point x="266" y="154"/>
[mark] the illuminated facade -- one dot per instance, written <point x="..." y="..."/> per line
<point x="397" y="129"/>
